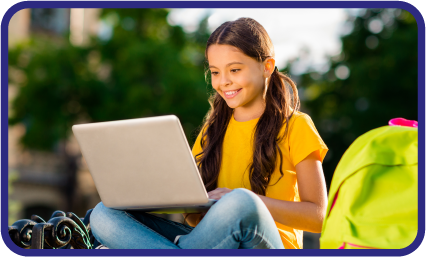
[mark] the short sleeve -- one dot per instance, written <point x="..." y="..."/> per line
<point x="304" y="139"/>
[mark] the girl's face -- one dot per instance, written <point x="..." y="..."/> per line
<point x="238" y="78"/>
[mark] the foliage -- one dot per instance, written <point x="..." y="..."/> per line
<point x="145" y="68"/>
<point x="13" y="205"/>
<point x="382" y="82"/>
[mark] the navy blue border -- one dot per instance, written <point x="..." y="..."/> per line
<point x="236" y="252"/>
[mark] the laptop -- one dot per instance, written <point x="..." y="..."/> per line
<point x="143" y="164"/>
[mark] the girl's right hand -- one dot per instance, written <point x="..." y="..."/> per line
<point x="218" y="193"/>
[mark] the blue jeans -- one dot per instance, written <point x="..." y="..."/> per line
<point x="239" y="220"/>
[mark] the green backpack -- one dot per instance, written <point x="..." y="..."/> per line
<point x="373" y="193"/>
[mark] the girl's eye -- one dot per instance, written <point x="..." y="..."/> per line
<point x="234" y="70"/>
<point x="214" y="73"/>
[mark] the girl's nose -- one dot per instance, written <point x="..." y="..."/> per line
<point x="225" y="80"/>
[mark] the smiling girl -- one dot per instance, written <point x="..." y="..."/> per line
<point x="256" y="153"/>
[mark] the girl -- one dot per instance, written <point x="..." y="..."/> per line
<point x="257" y="154"/>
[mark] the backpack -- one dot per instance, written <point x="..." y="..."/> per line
<point x="373" y="193"/>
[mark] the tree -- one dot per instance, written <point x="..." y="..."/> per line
<point x="142" y="67"/>
<point x="373" y="80"/>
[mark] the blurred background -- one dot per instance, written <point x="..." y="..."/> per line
<point x="355" y="70"/>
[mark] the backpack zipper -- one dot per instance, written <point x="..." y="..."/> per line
<point x="360" y="246"/>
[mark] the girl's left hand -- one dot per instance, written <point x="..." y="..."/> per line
<point x="218" y="193"/>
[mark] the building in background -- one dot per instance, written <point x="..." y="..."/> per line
<point x="39" y="179"/>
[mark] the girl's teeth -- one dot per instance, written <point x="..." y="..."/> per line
<point x="231" y="93"/>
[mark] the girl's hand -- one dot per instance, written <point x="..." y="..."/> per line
<point x="218" y="193"/>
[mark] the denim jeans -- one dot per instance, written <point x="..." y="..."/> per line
<point x="239" y="220"/>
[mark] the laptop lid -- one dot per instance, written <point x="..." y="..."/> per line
<point x="143" y="162"/>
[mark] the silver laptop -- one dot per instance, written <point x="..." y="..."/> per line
<point x="143" y="164"/>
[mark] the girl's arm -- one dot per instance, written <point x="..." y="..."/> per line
<point x="308" y="214"/>
<point x="195" y="218"/>
<point x="192" y="218"/>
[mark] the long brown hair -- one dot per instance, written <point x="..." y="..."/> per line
<point x="281" y="101"/>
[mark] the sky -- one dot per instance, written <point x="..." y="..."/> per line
<point x="294" y="32"/>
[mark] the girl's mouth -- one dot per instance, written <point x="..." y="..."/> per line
<point x="231" y="93"/>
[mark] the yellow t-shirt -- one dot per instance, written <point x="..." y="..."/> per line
<point x="301" y="140"/>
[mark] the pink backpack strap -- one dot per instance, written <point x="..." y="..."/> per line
<point x="403" y="122"/>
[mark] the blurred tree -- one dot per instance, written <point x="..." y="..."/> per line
<point x="138" y="66"/>
<point x="154" y="69"/>
<point x="13" y="206"/>
<point x="373" y="80"/>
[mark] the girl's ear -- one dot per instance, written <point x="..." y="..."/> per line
<point x="269" y="66"/>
